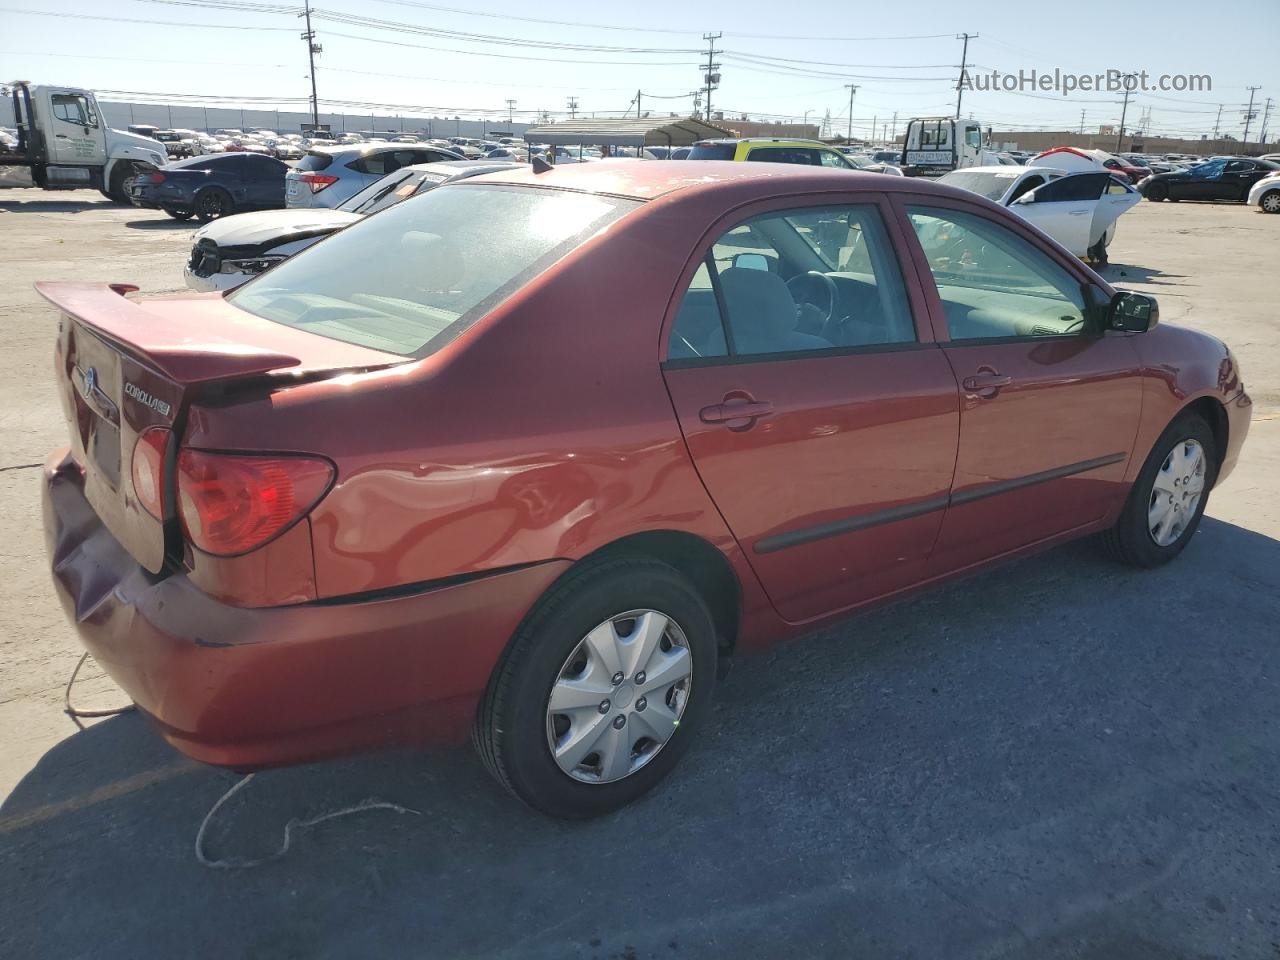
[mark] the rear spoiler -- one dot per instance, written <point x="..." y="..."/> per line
<point x="181" y="352"/>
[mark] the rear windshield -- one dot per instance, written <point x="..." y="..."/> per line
<point x="415" y="276"/>
<point x="713" y="151"/>
<point x="314" y="160"/>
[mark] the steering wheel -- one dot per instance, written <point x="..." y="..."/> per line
<point x="801" y="287"/>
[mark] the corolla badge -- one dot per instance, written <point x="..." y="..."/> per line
<point x="146" y="399"/>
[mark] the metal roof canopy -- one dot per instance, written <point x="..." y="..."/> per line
<point x="625" y="132"/>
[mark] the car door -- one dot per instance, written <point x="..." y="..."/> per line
<point x="1237" y="178"/>
<point x="264" y="182"/>
<point x="1202" y="182"/>
<point x="1116" y="199"/>
<point x="78" y="136"/>
<point x="1049" y="403"/>
<point x="1065" y="208"/>
<point x="828" y="452"/>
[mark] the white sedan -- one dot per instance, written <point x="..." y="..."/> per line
<point x="1079" y="210"/>
<point x="1265" y="194"/>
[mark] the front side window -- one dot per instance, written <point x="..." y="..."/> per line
<point x="800" y="281"/>
<point x="73" y="108"/>
<point x="409" y="280"/>
<point x="830" y="158"/>
<point x="973" y="137"/>
<point x="994" y="284"/>
<point x="1211" y="170"/>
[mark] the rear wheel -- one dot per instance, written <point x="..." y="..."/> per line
<point x="1157" y="192"/>
<point x="601" y="691"/>
<point x="1168" y="498"/>
<point x="212" y="203"/>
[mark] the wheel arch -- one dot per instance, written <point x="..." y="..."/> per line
<point x="696" y="558"/>
<point x="1211" y="410"/>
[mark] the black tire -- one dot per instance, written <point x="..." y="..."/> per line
<point x="1271" y="197"/>
<point x="1098" y="252"/>
<point x="212" y="203"/>
<point x="511" y="733"/>
<point x="181" y="214"/>
<point x="1130" y="540"/>
<point x="1157" y="192"/>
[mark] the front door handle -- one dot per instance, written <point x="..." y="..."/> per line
<point x="986" y="383"/>
<point x="736" y="413"/>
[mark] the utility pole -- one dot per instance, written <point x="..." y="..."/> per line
<point x="1266" y="115"/>
<point x="1082" y="123"/>
<point x="1248" y="114"/>
<point x="637" y="104"/>
<point x="312" y="49"/>
<point x="874" y="120"/>
<point x="1216" y="122"/>
<point x="964" y="63"/>
<point x="1124" y="110"/>
<point x="894" y="135"/>
<point x="712" y="78"/>
<point x="573" y="107"/>
<point x="852" y="88"/>
<point x="511" y="107"/>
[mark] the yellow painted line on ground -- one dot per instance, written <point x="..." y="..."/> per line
<point x="109" y="791"/>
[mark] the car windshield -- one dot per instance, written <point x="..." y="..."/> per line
<point x="412" y="278"/>
<point x="391" y="189"/>
<point x="990" y="185"/>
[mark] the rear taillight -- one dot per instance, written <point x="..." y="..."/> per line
<point x="148" y="469"/>
<point x="318" y="181"/>
<point x="233" y="503"/>
<point x="155" y="177"/>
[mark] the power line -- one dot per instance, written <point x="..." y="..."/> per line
<point x="149" y="23"/>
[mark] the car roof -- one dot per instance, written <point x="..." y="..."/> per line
<point x="362" y="148"/>
<point x="786" y="141"/>
<point x="1005" y="169"/>
<point x="648" y="179"/>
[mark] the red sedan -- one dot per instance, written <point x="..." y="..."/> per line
<point x="431" y="476"/>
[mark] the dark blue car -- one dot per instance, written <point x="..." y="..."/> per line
<point x="212" y="186"/>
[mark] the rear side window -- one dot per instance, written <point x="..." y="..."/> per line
<point x="203" y="163"/>
<point x="713" y="151"/>
<point x="314" y="160"/>
<point x="802" y="155"/>
<point x="411" y="279"/>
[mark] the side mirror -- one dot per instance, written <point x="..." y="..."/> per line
<point x="751" y="261"/>
<point x="1028" y="197"/>
<point x="1132" y="312"/>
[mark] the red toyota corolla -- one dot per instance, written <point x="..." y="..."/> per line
<point x="529" y="453"/>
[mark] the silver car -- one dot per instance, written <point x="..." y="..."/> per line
<point x="326" y="176"/>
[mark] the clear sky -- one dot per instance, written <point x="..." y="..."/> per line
<point x="781" y="60"/>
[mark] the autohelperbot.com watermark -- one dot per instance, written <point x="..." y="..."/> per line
<point x="1064" y="83"/>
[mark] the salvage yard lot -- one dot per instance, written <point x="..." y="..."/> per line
<point x="1059" y="758"/>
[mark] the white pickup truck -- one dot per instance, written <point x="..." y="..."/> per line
<point x="65" y="143"/>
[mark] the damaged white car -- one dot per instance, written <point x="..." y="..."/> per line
<point x="1079" y="210"/>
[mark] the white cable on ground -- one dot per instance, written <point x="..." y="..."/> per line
<point x="75" y="713"/>
<point x="236" y="863"/>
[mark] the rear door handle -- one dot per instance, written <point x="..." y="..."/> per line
<point x="732" y="411"/>
<point x="986" y="383"/>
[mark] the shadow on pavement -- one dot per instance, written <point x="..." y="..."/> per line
<point x="1127" y="273"/>
<point x="1061" y="757"/>
<point x="38" y="204"/>
<point x="163" y="221"/>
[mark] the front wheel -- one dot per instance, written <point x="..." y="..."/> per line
<point x="1157" y="192"/>
<point x="122" y="176"/>
<point x="601" y="691"/>
<point x="1168" y="498"/>
<point x="1270" y="202"/>
<point x="179" y="214"/>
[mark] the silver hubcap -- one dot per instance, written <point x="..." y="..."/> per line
<point x="1271" y="203"/>
<point x="1176" y="492"/>
<point x="619" y="696"/>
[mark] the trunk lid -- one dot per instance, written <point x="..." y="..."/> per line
<point x="125" y="366"/>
